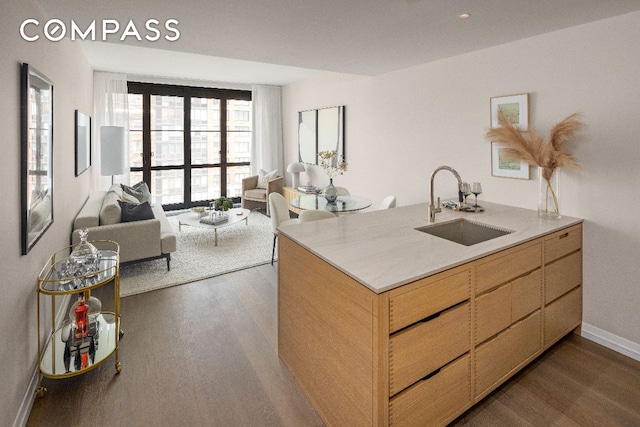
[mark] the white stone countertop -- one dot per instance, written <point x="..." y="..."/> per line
<point x="382" y="250"/>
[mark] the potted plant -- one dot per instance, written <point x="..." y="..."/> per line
<point x="547" y="154"/>
<point x="223" y="204"/>
<point x="333" y="165"/>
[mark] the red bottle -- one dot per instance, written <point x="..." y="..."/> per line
<point x="82" y="319"/>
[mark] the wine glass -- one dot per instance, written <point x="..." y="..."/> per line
<point x="466" y="190"/>
<point x="476" y="188"/>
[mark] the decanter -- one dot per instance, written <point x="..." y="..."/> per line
<point x="84" y="249"/>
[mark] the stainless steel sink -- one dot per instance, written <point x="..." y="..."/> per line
<point x="464" y="232"/>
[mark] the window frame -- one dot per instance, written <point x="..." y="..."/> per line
<point x="186" y="92"/>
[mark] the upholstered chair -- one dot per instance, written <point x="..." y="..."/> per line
<point x="255" y="197"/>
<point x="388" y="202"/>
<point x="314" y="215"/>
<point x="279" y="217"/>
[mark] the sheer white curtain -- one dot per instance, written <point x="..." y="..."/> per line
<point x="111" y="108"/>
<point x="266" y="141"/>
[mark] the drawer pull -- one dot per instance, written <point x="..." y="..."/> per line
<point x="563" y="235"/>
<point x="430" y="318"/>
<point x="431" y="375"/>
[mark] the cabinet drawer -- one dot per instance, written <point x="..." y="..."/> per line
<point x="526" y="295"/>
<point x="501" y="269"/>
<point x="496" y="358"/>
<point x="434" y="296"/>
<point x="434" y="401"/>
<point x="423" y="348"/>
<point x="562" y="243"/>
<point x="562" y="316"/>
<point x="493" y="313"/>
<point x="562" y="275"/>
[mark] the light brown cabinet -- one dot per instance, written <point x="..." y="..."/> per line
<point x="289" y="194"/>
<point x="423" y="353"/>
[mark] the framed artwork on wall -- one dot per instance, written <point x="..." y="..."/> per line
<point x="83" y="142"/>
<point x="36" y="127"/>
<point x="516" y="109"/>
<point x="504" y="167"/>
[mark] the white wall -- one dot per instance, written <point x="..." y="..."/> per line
<point x="402" y="125"/>
<point x="72" y="78"/>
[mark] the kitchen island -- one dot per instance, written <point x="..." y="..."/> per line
<point x="382" y="324"/>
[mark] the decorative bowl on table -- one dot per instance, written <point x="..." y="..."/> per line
<point x="200" y="210"/>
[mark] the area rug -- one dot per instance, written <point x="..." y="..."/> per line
<point x="196" y="257"/>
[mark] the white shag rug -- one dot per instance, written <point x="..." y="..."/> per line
<point x="196" y="257"/>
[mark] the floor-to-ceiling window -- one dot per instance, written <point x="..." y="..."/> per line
<point x="189" y="144"/>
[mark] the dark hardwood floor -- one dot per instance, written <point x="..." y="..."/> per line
<point x="205" y="354"/>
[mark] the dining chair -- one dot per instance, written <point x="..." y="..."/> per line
<point x="314" y="215"/>
<point x="388" y="202"/>
<point x="342" y="191"/>
<point x="279" y="217"/>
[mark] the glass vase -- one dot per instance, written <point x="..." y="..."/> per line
<point x="330" y="192"/>
<point x="549" y="194"/>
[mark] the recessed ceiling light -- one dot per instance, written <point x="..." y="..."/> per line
<point x="464" y="16"/>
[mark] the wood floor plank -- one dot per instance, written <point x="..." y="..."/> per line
<point x="205" y="354"/>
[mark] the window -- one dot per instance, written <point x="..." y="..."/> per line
<point x="189" y="144"/>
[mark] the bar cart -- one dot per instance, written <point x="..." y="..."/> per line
<point x="87" y="336"/>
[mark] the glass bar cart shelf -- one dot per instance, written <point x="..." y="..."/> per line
<point x="73" y="348"/>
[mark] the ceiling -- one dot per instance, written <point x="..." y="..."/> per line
<point x="281" y="41"/>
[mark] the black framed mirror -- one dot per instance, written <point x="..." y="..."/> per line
<point x="83" y="142"/>
<point x="320" y="130"/>
<point x="307" y="131"/>
<point x="36" y="125"/>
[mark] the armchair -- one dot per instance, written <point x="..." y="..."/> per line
<point x="254" y="197"/>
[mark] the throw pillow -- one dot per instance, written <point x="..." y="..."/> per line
<point x="264" y="177"/>
<point x="126" y="197"/>
<point x="140" y="191"/>
<point x="135" y="212"/>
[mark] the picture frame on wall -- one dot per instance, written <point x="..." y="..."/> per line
<point x="83" y="142"/>
<point x="36" y="123"/>
<point x="503" y="167"/>
<point x="516" y="108"/>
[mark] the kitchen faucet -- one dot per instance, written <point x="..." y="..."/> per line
<point x="433" y="209"/>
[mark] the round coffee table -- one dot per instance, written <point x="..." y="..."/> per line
<point x="193" y="219"/>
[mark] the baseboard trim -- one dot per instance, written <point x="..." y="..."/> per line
<point x="22" y="417"/>
<point x="609" y="340"/>
<point x="27" y="402"/>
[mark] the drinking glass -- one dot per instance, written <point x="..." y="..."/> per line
<point x="466" y="190"/>
<point x="476" y="188"/>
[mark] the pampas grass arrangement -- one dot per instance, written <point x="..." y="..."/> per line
<point x="547" y="154"/>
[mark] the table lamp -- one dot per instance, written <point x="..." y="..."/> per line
<point x="295" y="168"/>
<point x="112" y="151"/>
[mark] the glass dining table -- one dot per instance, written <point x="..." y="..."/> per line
<point x="343" y="204"/>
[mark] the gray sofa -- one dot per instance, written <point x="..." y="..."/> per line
<point x="139" y="240"/>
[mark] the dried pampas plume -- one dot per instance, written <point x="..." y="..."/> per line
<point x="533" y="149"/>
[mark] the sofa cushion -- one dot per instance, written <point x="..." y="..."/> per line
<point x="256" y="194"/>
<point x="264" y="177"/>
<point x="89" y="215"/>
<point x="140" y="191"/>
<point x="111" y="212"/>
<point x="135" y="212"/>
